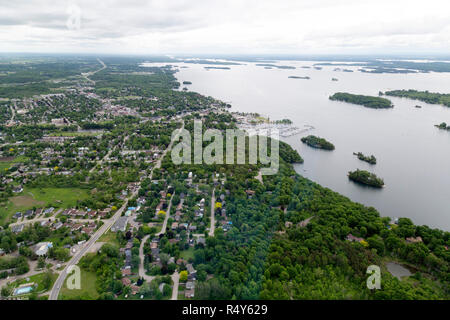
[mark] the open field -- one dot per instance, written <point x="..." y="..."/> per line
<point x="41" y="198"/>
<point x="87" y="291"/>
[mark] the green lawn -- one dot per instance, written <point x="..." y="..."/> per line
<point x="109" y="237"/>
<point x="87" y="291"/>
<point x="41" y="198"/>
<point x="186" y="254"/>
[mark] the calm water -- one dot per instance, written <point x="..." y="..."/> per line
<point x="413" y="156"/>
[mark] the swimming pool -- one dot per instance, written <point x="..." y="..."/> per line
<point x="23" y="290"/>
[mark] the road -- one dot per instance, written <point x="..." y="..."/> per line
<point x="213" y="218"/>
<point x="101" y="160"/>
<point x="141" y="263"/>
<point x="164" y="226"/>
<point x="176" y="280"/>
<point x="13" y="111"/>
<point x="88" y="74"/>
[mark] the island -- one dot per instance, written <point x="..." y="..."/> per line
<point x="317" y="142"/>
<point x="443" y="126"/>
<point x="219" y="68"/>
<point x="366" y="101"/>
<point x="366" y="178"/>
<point x="425" y="96"/>
<point x="187" y="82"/>
<point x="334" y="79"/>
<point x="297" y="77"/>
<point x="274" y="66"/>
<point x="370" y="159"/>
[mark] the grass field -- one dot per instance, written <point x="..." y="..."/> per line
<point x="41" y="198"/>
<point x="109" y="237"/>
<point x="87" y="291"/>
<point x="186" y="254"/>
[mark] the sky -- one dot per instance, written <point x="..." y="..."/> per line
<point x="225" y="26"/>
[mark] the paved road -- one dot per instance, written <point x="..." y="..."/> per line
<point x="164" y="226"/>
<point x="101" y="160"/>
<point x="141" y="263"/>
<point x="213" y="218"/>
<point x="175" y="279"/>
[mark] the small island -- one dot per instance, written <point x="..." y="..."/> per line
<point x="366" y="101"/>
<point x="334" y="79"/>
<point x="297" y="77"/>
<point x="187" y="82"/>
<point x="317" y="142"/>
<point x="443" y="126"/>
<point x="370" y="159"/>
<point x="366" y="178"/>
<point x="218" y="68"/>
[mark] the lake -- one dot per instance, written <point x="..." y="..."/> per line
<point x="412" y="155"/>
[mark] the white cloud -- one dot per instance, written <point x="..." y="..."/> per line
<point x="231" y="26"/>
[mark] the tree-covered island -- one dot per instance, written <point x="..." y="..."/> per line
<point x="366" y="101"/>
<point x="365" y="177"/>
<point x="370" y="159"/>
<point x="317" y="142"/>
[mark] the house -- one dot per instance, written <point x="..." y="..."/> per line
<point x="174" y="226"/>
<point x="17" y="215"/>
<point x="120" y="224"/>
<point x="352" y="238"/>
<point x="28" y="213"/>
<point x="192" y="271"/>
<point x="250" y="193"/>
<point x="188" y="294"/>
<point x="201" y="240"/>
<point x="190" y="285"/>
<point x="126" y="282"/>
<point x="17" y="228"/>
<point x="57" y="225"/>
<point x="126" y="271"/>
<point x="414" y="240"/>
<point x="18" y="189"/>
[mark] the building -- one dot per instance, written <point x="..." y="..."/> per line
<point x="41" y="249"/>
<point x="352" y="238"/>
<point x="120" y="224"/>
<point x="17" y="228"/>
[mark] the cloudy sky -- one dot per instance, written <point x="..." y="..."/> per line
<point x="225" y="26"/>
